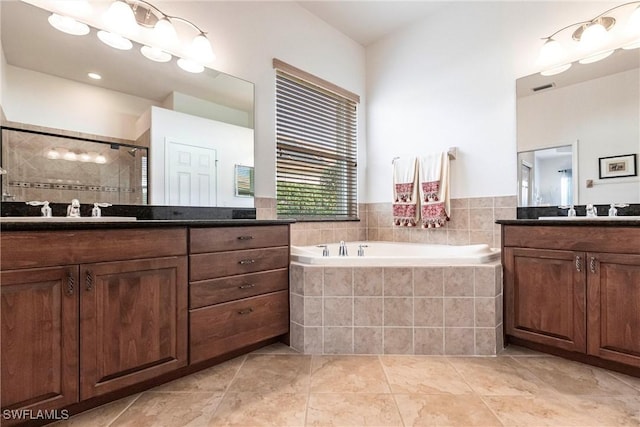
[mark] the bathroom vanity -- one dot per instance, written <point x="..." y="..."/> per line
<point x="93" y="312"/>
<point x="573" y="288"/>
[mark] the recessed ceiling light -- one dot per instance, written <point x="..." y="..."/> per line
<point x="94" y="76"/>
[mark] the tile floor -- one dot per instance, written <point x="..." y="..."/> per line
<point x="276" y="386"/>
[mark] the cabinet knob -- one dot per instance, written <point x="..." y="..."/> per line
<point x="592" y="264"/>
<point x="579" y="263"/>
<point x="245" y="311"/>
<point x="246" y="261"/>
<point x="247" y="286"/>
<point x="245" y="237"/>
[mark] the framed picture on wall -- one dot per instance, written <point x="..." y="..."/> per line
<point x="244" y="181"/>
<point x="618" y="166"/>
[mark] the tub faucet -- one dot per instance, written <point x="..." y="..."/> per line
<point x="361" y="249"/>
<point x="342" y="250"/>
<point x="613" y="211"/>
<point x="592" y="211"/>
<point x="325" y="249"/>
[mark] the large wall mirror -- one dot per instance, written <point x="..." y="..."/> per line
<point x="572" y="126"/>
<point x="146" y="132"/>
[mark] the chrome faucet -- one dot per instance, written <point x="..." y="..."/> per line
<point x="570" y="209"/>
<point x="73" y="210"/>
<point x="325" y="250"/>
<point x="361" y="249"/>
<point x="592" y="211"/>
<point x="342" y="250"/>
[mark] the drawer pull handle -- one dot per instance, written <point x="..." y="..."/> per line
<point x="578" y="264"/>
<point x="89" y="281"/>
<point x="592" y="265"/>
<point x="247" y="286"/>
<point x="245" y="311"/>
<point x="245" y="237"/>
<point x="246" y="261"/>
<point x="70" y="285"/>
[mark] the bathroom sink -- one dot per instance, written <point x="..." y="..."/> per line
<point x="67" y="219"/>
<point x="595" y="218"/>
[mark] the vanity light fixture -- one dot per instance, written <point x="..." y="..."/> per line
<point x="114" y="40"/>
<point x="68" y="25"/>
<point x="595" y="40"/>
<point x="155" y="54"/>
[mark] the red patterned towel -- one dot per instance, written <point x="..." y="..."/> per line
<point x="405" y="192"/>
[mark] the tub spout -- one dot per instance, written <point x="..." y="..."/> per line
<point x="342" y="250"/>
<point x="325" y="249"/>
<point x="361" y="249"/>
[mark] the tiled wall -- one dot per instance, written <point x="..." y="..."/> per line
<point x="396" y="310"/>
<point x="472" y="221"/>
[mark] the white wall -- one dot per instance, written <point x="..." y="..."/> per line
<point x="45" y="100"/>
<point x="233" y="145"/>
<point x="209" y="110"/>
<point x="449" y="80"/>
<point x="603" y="115"/>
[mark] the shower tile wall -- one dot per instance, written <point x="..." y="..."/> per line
<point x="33" y="176"/>
<point x="472" y="221"/>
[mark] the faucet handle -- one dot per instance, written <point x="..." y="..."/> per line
<point x="46" y="210"/>
<point x="570" y="209"/>
<point x="325" y="249"/>
<point x="361" y="249"/>
<point x="96" y="212"/>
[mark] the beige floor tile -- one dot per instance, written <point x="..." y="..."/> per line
<point x="264" y="373"/>
<point x="168" y="409"/>
<point x="255" y="409"/>
<point x="570" y="377"/>
<point x="214" y="379"/>
<point x="632" y="381"/>
<point x="353" y="409"/>
<point x="276" y="348"/>
<point x="563" y="410"/>
<point x="430" y="375"/>
<point x="347" y="374"/>
<point x="100" y="416"/>
<point x="498" y="376"/>
<point x="444" y="410"/>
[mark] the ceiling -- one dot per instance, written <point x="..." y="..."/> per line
<point x="368" y="21"/>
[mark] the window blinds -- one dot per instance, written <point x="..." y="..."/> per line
<point x="316" y="168"/>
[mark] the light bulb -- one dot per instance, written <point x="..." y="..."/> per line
<point x="556" y="70"/>
<point x="120" y="18"/>
<point x="74" y="7"/>
<point x="200" y="49"/>
<point x="595" y="57"/>
<point x="190" y="66"/>
<point x="634" y="21"/>
<point x="68" y="25"/>
<point x="53" y="154"/>
<point x="84" y="157"/>
<point x="114" y="40"/>
<point x="594" y="36"/>
<point x="101" y="159"/>
<point x="165" y="33"/>
<point x="155" y="54"/>
<point x="551" y="53"/>
<point x="69" y="155"/>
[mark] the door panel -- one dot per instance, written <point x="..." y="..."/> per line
<point x="191" y="175"/>
<point x="545" y="297"/>
<point x="134" y="322"/>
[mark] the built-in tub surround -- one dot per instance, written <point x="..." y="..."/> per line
<point x="472" y="222"/>
<point x="436" y="310"/>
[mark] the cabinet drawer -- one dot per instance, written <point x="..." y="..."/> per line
<point x="225" y="327"/>
<point x="220" y="264"/>
<point x="215" y="291"/>
<point x="233" y="238"/>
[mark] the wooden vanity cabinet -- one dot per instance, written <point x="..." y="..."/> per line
<point x="81" y="319"/>
<point x="575" y="288"/>
<point x="238" y="287"/>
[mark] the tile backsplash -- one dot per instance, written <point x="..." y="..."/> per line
<point x="472" y="221"/>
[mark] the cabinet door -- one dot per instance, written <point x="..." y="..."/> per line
<point x="545" y="297"/>
<point x="614" y="307"/>
<point x="39" y="338"/>
<point x="133" y="322"/>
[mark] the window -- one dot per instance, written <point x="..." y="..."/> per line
<point x="316" y="134"/>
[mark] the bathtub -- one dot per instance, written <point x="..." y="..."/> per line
<point x="395" y="254"/>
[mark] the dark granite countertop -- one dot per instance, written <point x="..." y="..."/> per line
<point x="70" y="225"/>
<point x="572" y="223"/>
